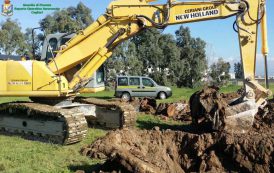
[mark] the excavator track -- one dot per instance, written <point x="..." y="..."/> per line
<point x="47" y="123"/>
<point x="42" y="122"/>
<point x="111" y="114"/>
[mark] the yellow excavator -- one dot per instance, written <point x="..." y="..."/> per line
<point x="56" y="115"/>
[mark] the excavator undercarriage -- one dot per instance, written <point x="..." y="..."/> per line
<point x="63" y="124"/>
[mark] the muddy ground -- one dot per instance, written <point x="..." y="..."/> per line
<point x="133" y="150"/>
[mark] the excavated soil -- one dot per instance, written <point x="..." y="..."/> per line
<point x="209" y="109"/>
<point x="178" y="111"/>
<point x="132" y="150"/>
<point x="145" y="151"/>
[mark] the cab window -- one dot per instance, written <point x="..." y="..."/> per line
<point x="64" y="40"/>
<point x="147" y="82"/>
<point x="122" y="81"/>
<point x="53" y="44"/>
<point x="134" y="81"/>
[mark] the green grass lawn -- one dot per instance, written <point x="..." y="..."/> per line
<point x="22" y="156"/>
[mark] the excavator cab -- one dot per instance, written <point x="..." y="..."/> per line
<point x="55" y="42"/>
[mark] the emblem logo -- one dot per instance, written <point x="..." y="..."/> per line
<point x="7" y="8"/>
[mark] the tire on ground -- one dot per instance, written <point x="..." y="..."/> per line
<point x="126" y="96"/>
<point x="162" y="95"/>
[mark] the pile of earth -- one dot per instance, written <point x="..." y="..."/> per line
<point x="133" y="150"/>
<point x="213" y="110"/>
<point x="176" y="110"/>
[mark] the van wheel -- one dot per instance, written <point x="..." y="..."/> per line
<point x="125" y="97"/>
<point x="162" y="95"/>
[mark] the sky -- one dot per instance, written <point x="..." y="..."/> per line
<point x="219" y="35"/>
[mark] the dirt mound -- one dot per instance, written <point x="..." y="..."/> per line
<point x="132" y="150"/>
<point x="148" y="105"/>
<point x="174" y="151"/>
<point x="215" y="110"/>
<point x="252" y="152"/>
<point x="150" y="151"/>
<point x="264" y="120"/>
<point x="135" y="150"/>
<point x="178" y="111"/>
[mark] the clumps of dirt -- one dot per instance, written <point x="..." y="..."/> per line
<point x="210" y="108"/>
<point x="229" y="97"/>
<point x="175" y="151"/>
<point x="145" y="151"/>
<point x="148" y="105"/>
<point x="251" y="152"/>
<point x="178" y="111"/>
<point x="132" y="150"/>
<point x="150" y="151"/>
<point x="207" y="100"/>
<point x="264" y="119"/>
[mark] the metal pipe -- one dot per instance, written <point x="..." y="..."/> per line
<point x="33" y="42"/>
<point x="265" y="45"/>
<point x="266" y="72"/>
<point x="115" y="37"/>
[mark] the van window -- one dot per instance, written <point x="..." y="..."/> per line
<point x="122" y="81"/>
<point x="134" y="81"/>
<point x="147" y="82"/>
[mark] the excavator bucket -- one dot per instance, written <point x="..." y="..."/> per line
<point x="222" y="111"/>
<point x="240" y="117"/>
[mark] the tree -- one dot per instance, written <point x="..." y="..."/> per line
<point x="170" y="61"/>
<point x="11" y="38"/>
<point x="158" y="53"/>
<point x="124" y="61"/>
<point x="149" y="53"/>
<point x="238" y="69"/>
<point x="219" y="72"/>
<point x="68" y="20"/>
<point x="159" y="56"/>
<point x="192" y="63"/>
<point x="148" y="49"/>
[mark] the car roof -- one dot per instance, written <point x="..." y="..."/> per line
<point x="133" y="76"/>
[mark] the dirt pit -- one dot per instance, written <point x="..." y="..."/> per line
<point x="171" y="151"/>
